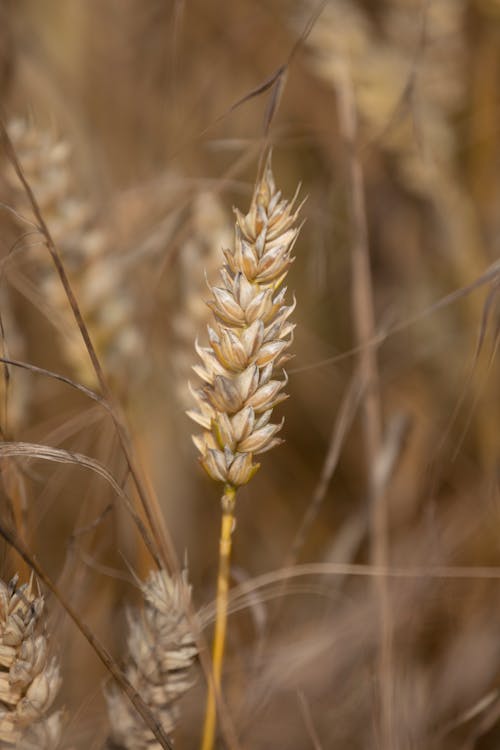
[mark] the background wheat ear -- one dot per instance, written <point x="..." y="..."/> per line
<point x="88" y="249"/>
<point x="161" y="652"/>
<point x="29" y="678"/>
<point x="242" y="371"/>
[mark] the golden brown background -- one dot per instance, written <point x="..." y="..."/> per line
<point x="152" y="99"/>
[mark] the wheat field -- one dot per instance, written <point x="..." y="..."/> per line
<point x="280" y="220"/>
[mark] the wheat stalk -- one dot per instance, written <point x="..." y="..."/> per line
<point x="29" y="679"/>
<point x="161" y="650"/>
<point x="248" y="340"/>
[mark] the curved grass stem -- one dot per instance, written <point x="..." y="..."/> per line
<point x="228" y="501"/>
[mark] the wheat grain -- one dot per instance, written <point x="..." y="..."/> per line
<point x="29" y="679"/>
<point x="248" y="340"/>
<point x="86" y="246"/>
<point x="161" y="651"/>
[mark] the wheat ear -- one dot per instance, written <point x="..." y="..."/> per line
<point x="161" y="652"/>
<point x="29" y="679"/>
<point x="86" y="245"/>
<point x="240" y="372"/>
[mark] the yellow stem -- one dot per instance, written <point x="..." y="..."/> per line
<point x="228" y="499"/>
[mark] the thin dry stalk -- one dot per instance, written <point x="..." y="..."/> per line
<point x="306" y="713"/>
<point x="225" y="543"/>
<point x="248" y="341"/>
<point x="364" y="323"/>
<point x="343" y="422"/>
<point x="148" y="500"/>
<point x="14" y="402"/>
<point x="149" y="504"/>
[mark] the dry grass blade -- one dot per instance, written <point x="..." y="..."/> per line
<point x="305" y="710"/>
<point x="57" y="376"/>
<point x="364" y="323"/>
<point x="491" y="274"/>
<point x="345" y="416"/>
<point x="151" y="510"/>
<point x="58" y="455"/>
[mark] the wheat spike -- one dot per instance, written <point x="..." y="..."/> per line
<point x="161" y="651"/>
<point x="248" y="340"/>
<point x="29" y="679"/>
<point x="86" y="248"/>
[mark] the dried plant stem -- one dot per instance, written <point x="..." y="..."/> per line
<point x="228" y="502"/>
<point x="364" y="323"/>
<point x="162" y="538"/>
<point x="163" y="550"/>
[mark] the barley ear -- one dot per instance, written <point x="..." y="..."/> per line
<point x="241" y="370"/>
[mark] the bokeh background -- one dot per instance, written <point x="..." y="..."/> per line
<point x="139" y="124"/>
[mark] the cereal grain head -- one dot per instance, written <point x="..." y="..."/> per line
<point x="241" y="368"/>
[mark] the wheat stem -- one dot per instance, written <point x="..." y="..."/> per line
<point x="227" y="525"/>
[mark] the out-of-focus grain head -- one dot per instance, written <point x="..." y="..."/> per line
<point x="97" y="273"/>
<point x="29" y="678"/>
<point x="161" y="650"/>
<point x="199" y="261"/>
<point x="406" y="84"/>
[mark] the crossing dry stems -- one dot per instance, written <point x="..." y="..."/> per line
<point x="142" y="95"/>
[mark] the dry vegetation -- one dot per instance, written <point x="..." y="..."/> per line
<point x="364" y="600"/>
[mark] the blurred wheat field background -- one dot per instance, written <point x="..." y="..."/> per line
<point x="364" y="605"/>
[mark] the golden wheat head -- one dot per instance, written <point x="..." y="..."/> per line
<point x="240" y="370"/>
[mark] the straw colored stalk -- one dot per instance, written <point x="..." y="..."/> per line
<point x="161" y="652"/>
<point x="29" y="679"/>
<point x="241" y="372"/>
